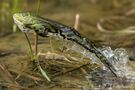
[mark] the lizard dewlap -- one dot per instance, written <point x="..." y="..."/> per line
<point x="45" y="27"/>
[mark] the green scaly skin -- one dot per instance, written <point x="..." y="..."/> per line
<point x="45" y="27"/>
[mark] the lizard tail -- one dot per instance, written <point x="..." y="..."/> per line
<point x="106" y="62"/>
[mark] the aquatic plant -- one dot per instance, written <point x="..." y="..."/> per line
<point x="34" y="56"/>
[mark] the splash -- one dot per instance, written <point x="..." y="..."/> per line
<point x="119" y="59"/>
<point x="102" y="77"/>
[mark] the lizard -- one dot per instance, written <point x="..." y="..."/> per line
<point x="45" y="27"/>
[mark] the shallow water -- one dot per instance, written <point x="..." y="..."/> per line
<point x="102" y="77"/>
<point x="14" y="52"/>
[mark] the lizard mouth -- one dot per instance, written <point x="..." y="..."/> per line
<point x="18" y="22"/>
<point x="16" y="19"/>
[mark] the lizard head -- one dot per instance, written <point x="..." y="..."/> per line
<point x="28" y="22"/>
<point x="22" y="20"/>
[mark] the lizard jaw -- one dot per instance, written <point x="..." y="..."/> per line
<point x="19" y="23"/>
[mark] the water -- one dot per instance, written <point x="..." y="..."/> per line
<point x="86" y="53"/>
<point x="119" y="59"/>
<point x="102" y="77"/>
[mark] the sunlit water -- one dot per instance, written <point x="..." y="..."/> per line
<point x="102" y="77"/>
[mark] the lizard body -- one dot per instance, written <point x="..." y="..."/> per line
<point x="46" y="27"/>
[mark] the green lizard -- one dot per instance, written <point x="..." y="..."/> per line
<point x="45" y="27"/>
